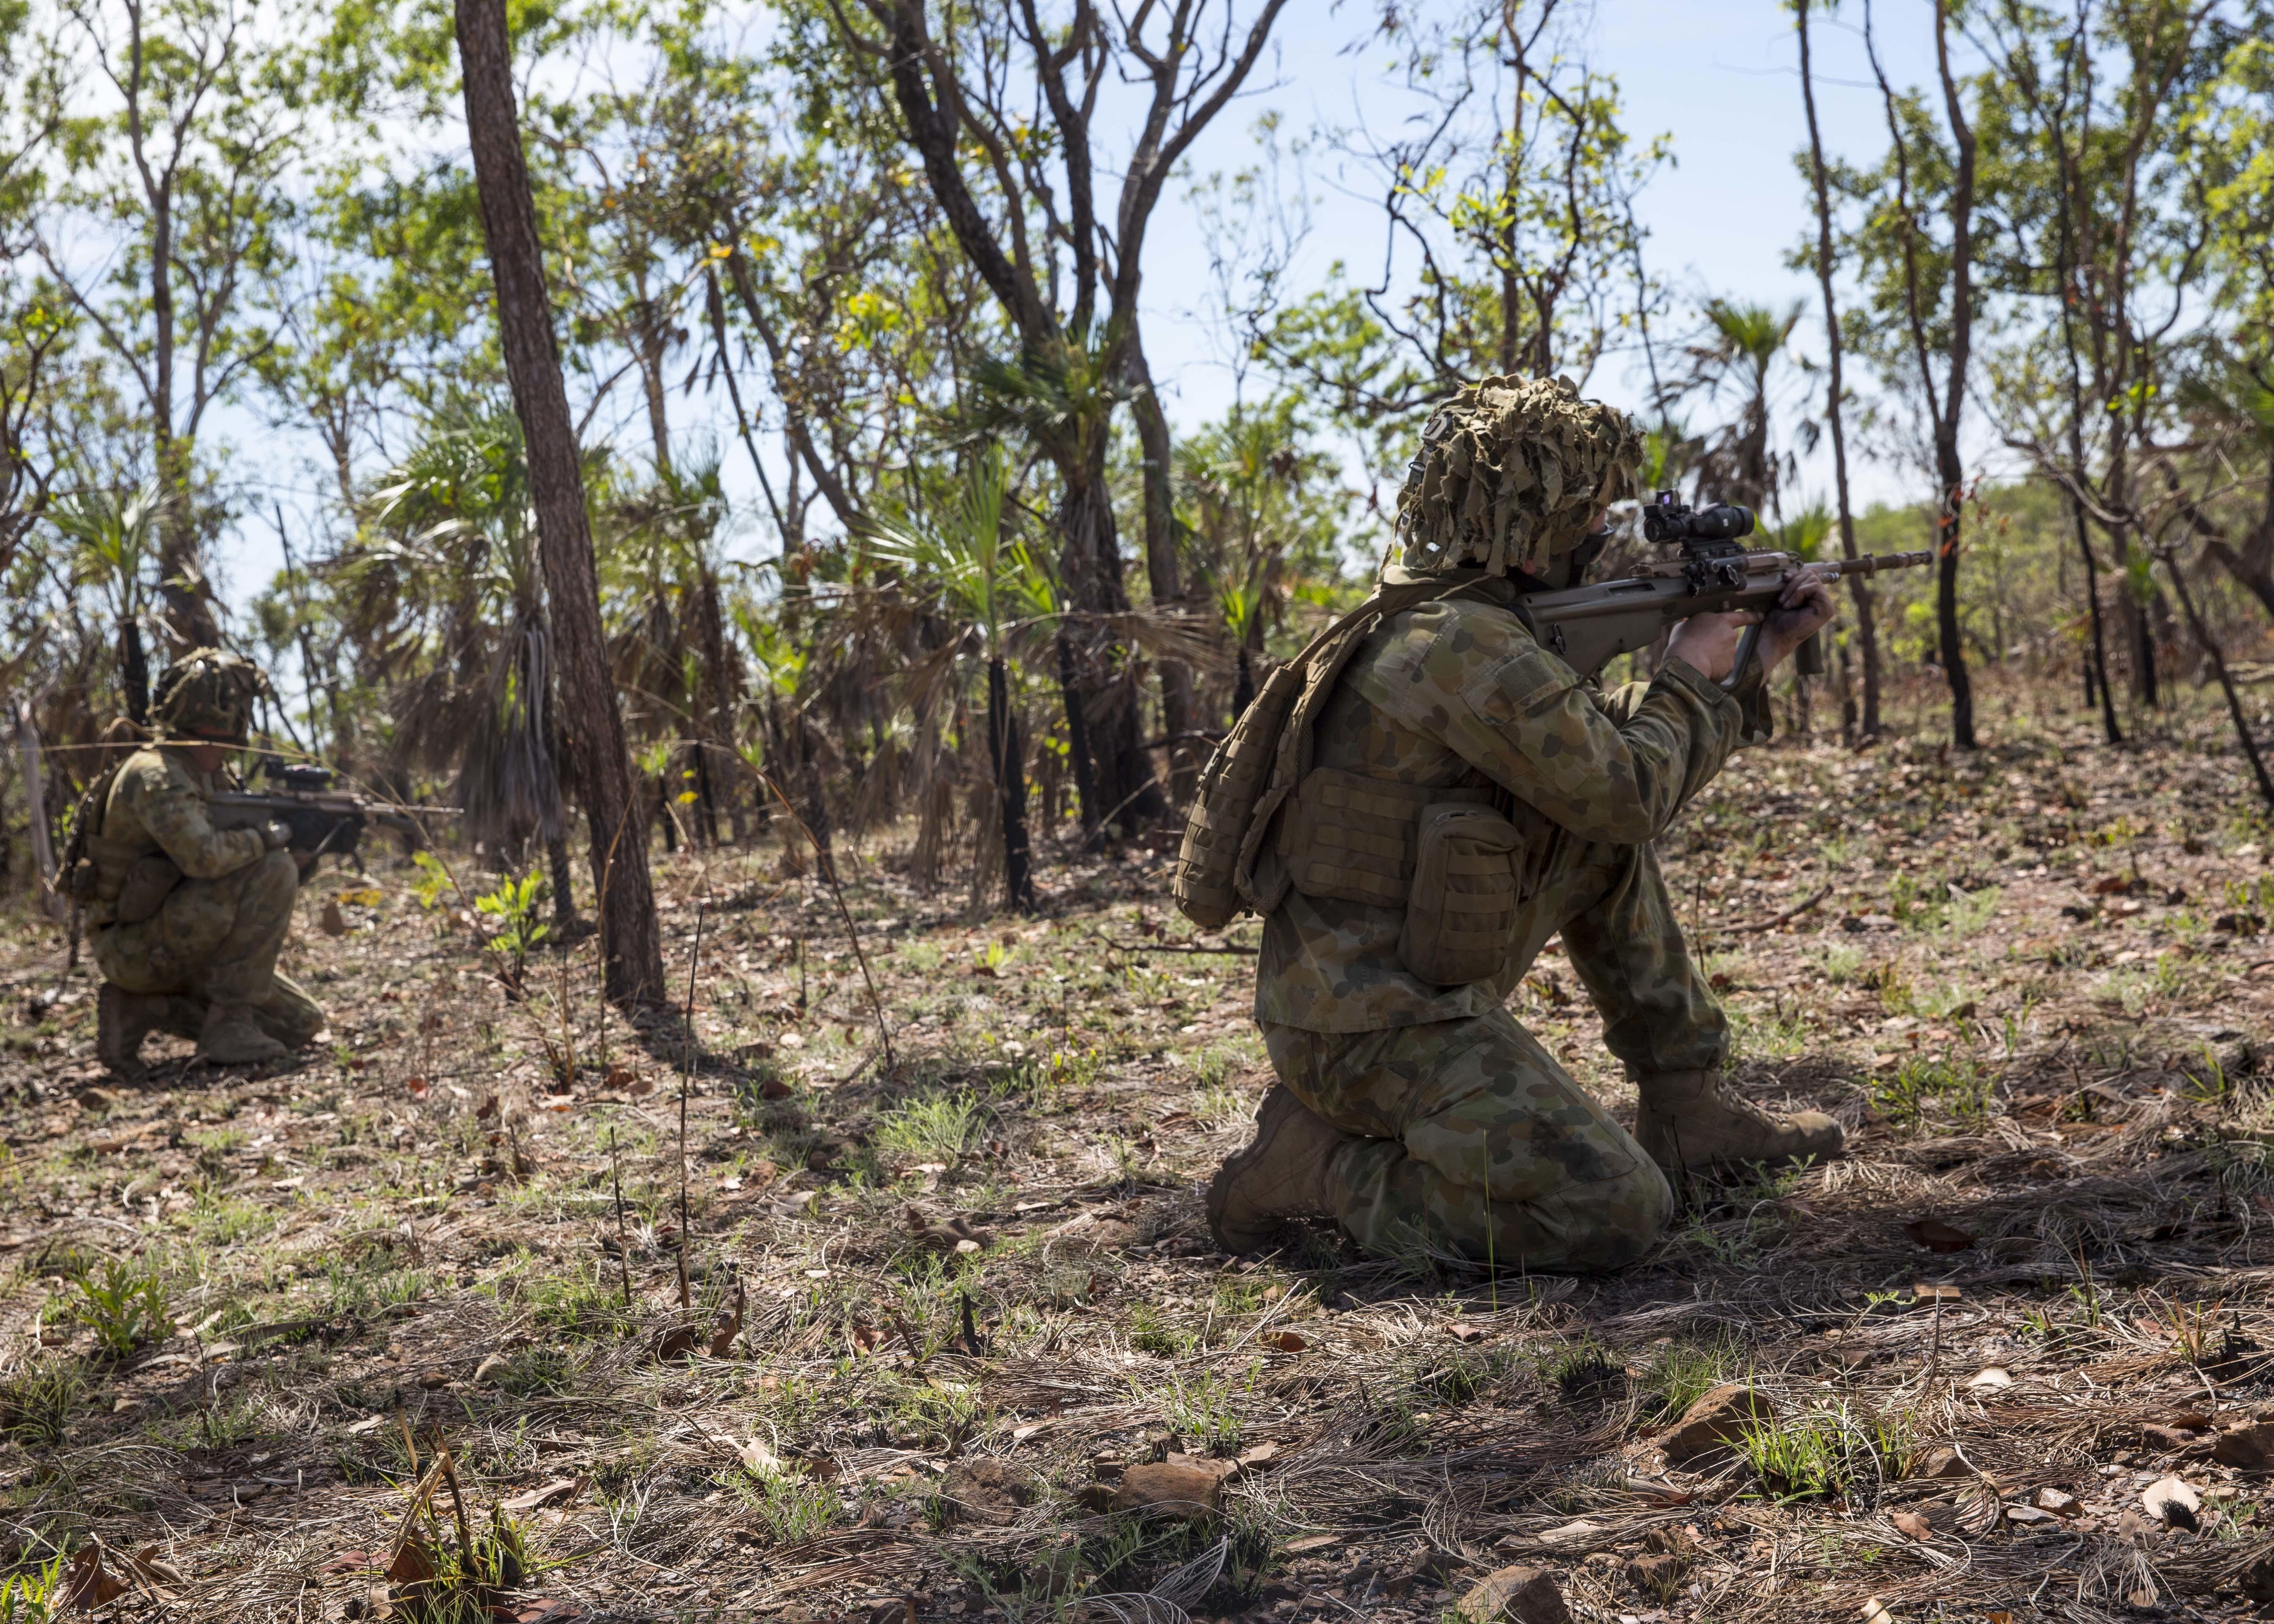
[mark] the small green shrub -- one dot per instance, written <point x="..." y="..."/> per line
<point x="125" y="1307"/>
<point x="934" y="1129"/>
<point x="1830" y="1450"/>
<point x="35" y="1597"/>
<point x="36" y="1401"/>
<point x="1959" y="1086"/>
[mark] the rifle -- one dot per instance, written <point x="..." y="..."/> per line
<point x="322" y="819"/>
<point x="1710" y="574"/>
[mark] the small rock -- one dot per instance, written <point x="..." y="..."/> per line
<point x="491" y="1368"/>
<point x="1941" y="1461"/>
<point x="1715" y="1421"/>
<point x="2061" y="1502"/>
<point x="1991" y="1379"/>
<point x="1179" y="1484"/>
<point x="2173" y="1503"/>
<point x="2166" y="1440"/>
<point x="1913" y="1526"/>
<point x="2027" y="1513"/>
<point x="986" y="1491"/>
<point x="2250" y="1448"/>
<point x="433" y="1381"/>
<point x="2257" y="1580"/>
<point x="1523" y="1595"/>
<point x="1657" y="1576"/>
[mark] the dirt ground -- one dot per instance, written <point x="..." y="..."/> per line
<point x="953" y="1317"/>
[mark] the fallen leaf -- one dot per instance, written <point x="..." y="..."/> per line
<point x="1287" y="1341"/>
<point x="2172" y="1502"/>
<point x="368" y="1425"/>
<point x="1463" y="1333"/>
<point x="1913" y="1525"/>
<point x="488" y="1110"/>
<point x="728" y="1325"/>
<point x="2250" y="1448"/>
<point x="1991" y="1378"/>
<point x="416" y="1088"/>
<point x="1258" y="1456"/>
<point x="413" y="1563"/>
<point x="759" y="1458"/>
<point x="86" y="1586"/>
<point x="553" y="1494"/>
<point x="1937" y="1236"/>
<point x="1926" y="1291"/>
<point x="1875" y="1611"/>
<point x="674" y="1341"/>
<point x="347" y="1562"/>
<point x="333" y="923"/>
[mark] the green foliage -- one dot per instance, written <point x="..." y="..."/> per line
<point x="433" y="881"/>
<point x="124" y="1304"/>
<point x="932" y="1130"/>
<point x="1828" y="1449"/>
<point x="1951" y="1082"/>
<point x="36" y="1400"/>
<point x="515" y="905"/>
<point x="38" y="1597"/>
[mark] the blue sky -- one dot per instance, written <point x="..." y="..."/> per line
<point x="1720" y="78"/>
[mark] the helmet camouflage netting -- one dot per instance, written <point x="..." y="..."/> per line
<point x="207" y="694"/>
<point x="1510" y="474"/>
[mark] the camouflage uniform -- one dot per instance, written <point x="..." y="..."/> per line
<point x="216" y="937"/>
<point x="185" y="920"/>
<point x="1473" y="1141"/>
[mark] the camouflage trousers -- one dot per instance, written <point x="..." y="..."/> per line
<point x="216" y="941"/>
<point x="1474" y="1143"/>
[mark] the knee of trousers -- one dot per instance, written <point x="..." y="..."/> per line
<point x="1613" y="1221"/>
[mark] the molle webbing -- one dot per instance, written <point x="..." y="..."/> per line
<point x="1256" y="768"/>
<point x="1355" y="837"/>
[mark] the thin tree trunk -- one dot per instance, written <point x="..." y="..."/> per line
<point x="1867" y="636"/>
<point x="1003" y="743"/>
<point x="2226" y="680"/>
<point x="1158" y="447"/>
<point x="631" y="947"/>
<point x="564" y="890"/>
<point x="1091" y="560"/>
<point x="1085" y="781"/>
<point x="1948" y="467"/>
<point x="134" y="669"/>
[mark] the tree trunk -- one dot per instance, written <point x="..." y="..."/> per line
<point x="631" y="947"/>
<point x="1009" y="762"/>
<point x="2226" y="682"/>
<point x="1085" y="781"/>
<point x="1951" y="503"/>
<point x="134" y="670"/>
<point x="1161" y="570"/>
<point x="1867" y="636"/>
<point x="564" y="890"/>
<point x="2096" y="672"/>
<point x="1091" y="558"/>
<point x="2141" y="636"/>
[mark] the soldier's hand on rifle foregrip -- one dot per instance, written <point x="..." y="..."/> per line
<point x="1805" y="609"/>
<point x="275" y="834"/>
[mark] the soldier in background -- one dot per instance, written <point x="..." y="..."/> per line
<point x="185" y="920"/>
<point x="1465" y="797"/>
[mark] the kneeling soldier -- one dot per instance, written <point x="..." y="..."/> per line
<point x="1456" y="796"/>
<point x="184" y="919"/>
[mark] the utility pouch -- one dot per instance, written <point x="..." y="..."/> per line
<point x="1460" y="918"/>
<point x="150" y="879"/>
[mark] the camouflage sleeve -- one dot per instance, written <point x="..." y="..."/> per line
<point x="161" y="796"/>
<point x="1616" y="772"/>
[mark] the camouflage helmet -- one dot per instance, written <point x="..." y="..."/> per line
<point x="207" y="694"/>
<point x="1511" y="474"/>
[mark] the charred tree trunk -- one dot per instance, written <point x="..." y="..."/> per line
<point x="631" y="947"/>
<point x="134" y="671"/>
<point x="1161" y="572"/>
<point x="1009" y="761"/>
<point x="564" y="890"/>
<point x="1085" y="781"/>
<point x="2225" y="681"/>
<point x="1091" y="559"/>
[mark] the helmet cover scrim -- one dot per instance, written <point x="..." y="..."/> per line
<point x="208" y="693"/>
<point x="1511" y="474"/>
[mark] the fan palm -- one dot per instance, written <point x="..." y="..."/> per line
<point x="114" y="538"/>
<point x="975" y="571"/>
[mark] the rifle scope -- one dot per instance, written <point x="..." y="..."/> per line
<point x="1666" y="520"/>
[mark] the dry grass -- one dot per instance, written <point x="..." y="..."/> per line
<point x="978" y="1286"/>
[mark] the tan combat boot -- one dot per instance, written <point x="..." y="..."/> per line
<point x="233" y="1037"/>
<point x="1282" y="1176"/>
<point x="122" y="1020"/>
<point x="1690" y="1121"/>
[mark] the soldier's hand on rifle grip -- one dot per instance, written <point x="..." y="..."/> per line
<point x="1806" y="609"/>
<point x="1707" y="643"/>
<point x="275" y="834"/>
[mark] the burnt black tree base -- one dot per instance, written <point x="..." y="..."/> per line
<point x="630" y="946"/>
<point x="1009" y="761"/>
